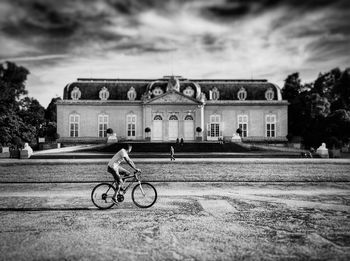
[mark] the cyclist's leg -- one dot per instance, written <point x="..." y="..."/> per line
<point x="123" y="171"/>
<point x="117" y="179"/>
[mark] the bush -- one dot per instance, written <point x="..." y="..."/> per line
<point x="333" y="143"/>
<point x="56" y="136"/>
<point x="17" y="142"/>
<point x="198" y="129"/>
<point x="147" y="129"/>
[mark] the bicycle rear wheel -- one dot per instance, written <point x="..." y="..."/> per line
<point x="102" y="195"/>
<point x="144" y="195"/>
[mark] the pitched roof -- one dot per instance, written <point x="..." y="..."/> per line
<point x="118" y="88"/>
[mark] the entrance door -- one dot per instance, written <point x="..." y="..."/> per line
<point x="157" y="128"/>
<point x="173" y="127"/>
<point x="189" y="128"/>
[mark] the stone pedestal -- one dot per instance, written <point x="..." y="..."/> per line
<point x="236" y="138"/>
<point x="24" y="154"/>
<point x="322" y="151"/>
<point x="112" y="138"/>
<point x="4" y="152"/>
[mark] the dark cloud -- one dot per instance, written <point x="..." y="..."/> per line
<point x="57" y="26"/>
<point x="234" y="9"/>
<point x="132" y="47"/>
<point x="229" y="10"/>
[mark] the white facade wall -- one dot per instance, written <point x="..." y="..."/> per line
<point x="256" y="119"/>
<point x="89" y="119"/>
<point x="145" y="114"/>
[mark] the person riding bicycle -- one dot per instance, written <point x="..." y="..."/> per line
<point x="115" y="169"/>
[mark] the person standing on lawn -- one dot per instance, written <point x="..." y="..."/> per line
<point x="172" y="153"/>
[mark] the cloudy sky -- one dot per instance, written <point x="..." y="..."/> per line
<point x="59" y="41"/>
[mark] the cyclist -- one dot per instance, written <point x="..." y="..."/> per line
<point x="115" y="169"/>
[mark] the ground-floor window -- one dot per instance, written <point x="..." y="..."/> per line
<point x="131" y="125"/>
<point x="102" y="125"/>
<point x="74" y="125"/>
<point x="243" y="124"/>
<point x="270" y="125"/>
<point x="214" y="126"/>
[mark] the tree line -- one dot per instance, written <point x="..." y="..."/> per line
<point x="318" y="111"/>
<point x="22" y="118"/>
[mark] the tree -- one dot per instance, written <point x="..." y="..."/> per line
<point x="49" y="128"/>
<point x="51" y="110"/>
<point x="12" y="85"/>
<point x="20" y="116"/>
<point x="341" y="92"/>
<point x="296" y="94"/>
<point x="292" y="87"/>
<point x="319" y="111"/>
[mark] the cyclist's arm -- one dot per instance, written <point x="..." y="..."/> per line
<point x="131" y="163"/>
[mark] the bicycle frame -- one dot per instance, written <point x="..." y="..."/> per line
<point x="135" y="178"/>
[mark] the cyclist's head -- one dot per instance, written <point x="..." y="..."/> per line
<point x="129" y="148"/>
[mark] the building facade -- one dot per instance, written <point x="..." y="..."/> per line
<point x="171" y="107"/>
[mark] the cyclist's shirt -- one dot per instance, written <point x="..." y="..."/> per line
<point x="118" y="158"/>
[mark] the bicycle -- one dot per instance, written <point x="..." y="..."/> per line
<point x="144" y="194"/>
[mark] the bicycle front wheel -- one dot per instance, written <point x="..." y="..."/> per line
<point x="102" y="195"/>
<point x="144" y="195"/>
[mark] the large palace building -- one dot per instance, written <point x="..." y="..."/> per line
<point x="171" y="107"/>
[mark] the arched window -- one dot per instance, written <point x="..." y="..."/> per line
<point x="189" y="91"/>
<point x="173" y="118"/>
<point x="102" y="125"/>
<point x="104" y="94"/>
<point x="131" y="94"/>
<point x="157" y="118"/>
<point x="157" y="91"/>
<point x="214" y="94"/>
<point x="242" y="94"/>
<point x="74" y="121"/>
<point x="269" y="94"/>
<point x="188" y="118"/>
<point x="75" y="94"/>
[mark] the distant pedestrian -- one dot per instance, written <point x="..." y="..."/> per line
<point x="172" y="153"/>
<point x="181" y="142"/>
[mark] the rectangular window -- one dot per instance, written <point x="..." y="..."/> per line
<point x="270" y="126"/>
<point x="214" y="129"/>
<point x="214" y="126"/>
<point x="74" y="125"/>
<point x="243" y="124"/>
<point x="131" y="126"/>
<point x="102" y="125"/>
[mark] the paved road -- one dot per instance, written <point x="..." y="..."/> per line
<point x="287" y="213"/>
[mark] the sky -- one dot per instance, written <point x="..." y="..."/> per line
<point x="60" y="41"/>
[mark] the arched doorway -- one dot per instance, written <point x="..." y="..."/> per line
<point x="173" y="127"/>
<point x="189" y="128"/>
<point x="157" y="128"/>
